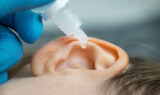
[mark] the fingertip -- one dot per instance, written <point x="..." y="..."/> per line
<point x="29" y="26"/>
<point x="3" y="77"/>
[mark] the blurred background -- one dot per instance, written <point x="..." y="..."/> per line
<point x="134" y="25"/>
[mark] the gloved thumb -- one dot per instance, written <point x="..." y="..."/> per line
<point x="11" y="6"/>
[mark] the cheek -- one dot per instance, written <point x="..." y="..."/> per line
<point x="46" y="85"/>
<point x="28" y="86"/>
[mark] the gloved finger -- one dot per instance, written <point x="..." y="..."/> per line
<point x="3" y="77"/>
<point x="11" y="6"/>
<point x="10" y="49"/>
<point x="28" y="25"/>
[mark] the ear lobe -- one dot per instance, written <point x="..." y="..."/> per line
<point x="99" y="58"/>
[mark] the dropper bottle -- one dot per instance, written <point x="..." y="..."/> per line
<point x="64" y="18"/>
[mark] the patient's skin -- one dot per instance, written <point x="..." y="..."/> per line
<point x="62" y="67"/>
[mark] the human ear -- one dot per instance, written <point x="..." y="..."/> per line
<point x="100" y="59"/>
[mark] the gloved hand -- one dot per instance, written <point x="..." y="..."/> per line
<point x="15" y="14"/>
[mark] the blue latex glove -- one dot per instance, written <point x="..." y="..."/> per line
<point x="28" y="25"/>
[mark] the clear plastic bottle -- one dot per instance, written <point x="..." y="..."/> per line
<point x="64" y="18"/>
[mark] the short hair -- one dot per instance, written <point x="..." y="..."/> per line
<point x="142" y="77"/>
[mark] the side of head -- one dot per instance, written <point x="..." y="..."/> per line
<point x="141" y="77"/>
<point x="62" y="67"/>
<point x="81" y="72"/>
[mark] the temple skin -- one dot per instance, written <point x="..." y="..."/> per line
<point x="62" y="67"/>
